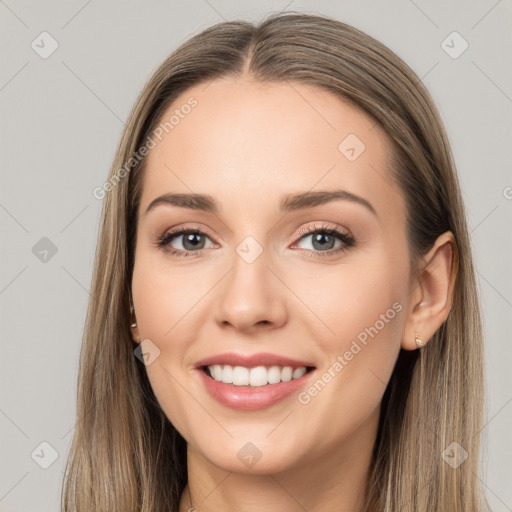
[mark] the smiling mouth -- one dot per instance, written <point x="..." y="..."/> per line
<point x="257" y="376"/>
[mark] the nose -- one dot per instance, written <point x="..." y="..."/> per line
<point x="251" y="297"/>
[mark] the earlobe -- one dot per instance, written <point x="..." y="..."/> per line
<point x="432" y="299"/>
<point x="133" y="325"/>
<point x="135" y="333"/>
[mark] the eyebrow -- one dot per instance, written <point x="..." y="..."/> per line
<point x="288" y="203"/>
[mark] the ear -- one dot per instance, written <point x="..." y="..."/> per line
<point x="432" y="291"/>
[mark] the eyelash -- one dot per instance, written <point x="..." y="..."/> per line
<point x="348" y="241"/>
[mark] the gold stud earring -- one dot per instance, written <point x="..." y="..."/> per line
<point x="135" y="338"/>
<point x="419" y="343"/>
<point x="133" y="325"/>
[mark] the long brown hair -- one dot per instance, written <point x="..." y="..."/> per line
<point x="125" y="454"/>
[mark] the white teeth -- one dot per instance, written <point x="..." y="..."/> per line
<point x="298" y="372"/>
<point x="286" y="374"/>
<point x="240" y="376"/>
<point x="274" y="375"/>
<point x="257" y="376"/>
<point x="227" y="374"/>
<point x="216" y="371"/>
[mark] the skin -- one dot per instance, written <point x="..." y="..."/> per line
<point x="247" y="144"/>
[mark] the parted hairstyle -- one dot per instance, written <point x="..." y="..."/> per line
<point x="125" y="454"/>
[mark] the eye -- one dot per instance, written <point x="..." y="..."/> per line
<point x="325" y="240"/>
<point x="189" y="241"/>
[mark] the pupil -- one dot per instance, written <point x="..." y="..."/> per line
<point x="189" y="239"/>
<point x="318" y="239"/>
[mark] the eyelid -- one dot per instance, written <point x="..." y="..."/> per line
<point x="194" y="227"/>
<point x="336" y="229"/>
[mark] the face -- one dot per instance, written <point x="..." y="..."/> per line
<point x="324" y="283"/>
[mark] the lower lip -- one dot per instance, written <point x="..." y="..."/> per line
<point x="251" y="398"/>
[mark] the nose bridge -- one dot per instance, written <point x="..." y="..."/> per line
<point x="251" y="293"/>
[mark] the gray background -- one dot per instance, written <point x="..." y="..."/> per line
<point x="61" y="118"/>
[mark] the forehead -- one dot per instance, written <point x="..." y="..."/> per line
<point x="248" y="143"/>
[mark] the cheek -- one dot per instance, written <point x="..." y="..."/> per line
<point x="161" y="304"/>
<point x="349" y="299"/>
<point x="359" y="322"/>
<point x="170" y="305"/>
<point x="368" y="305"/>
<point x="163" y="296"/>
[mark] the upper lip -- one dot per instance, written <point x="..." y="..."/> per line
<point x="252" y="360"/>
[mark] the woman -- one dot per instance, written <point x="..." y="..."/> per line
<point x="283" y="312"/>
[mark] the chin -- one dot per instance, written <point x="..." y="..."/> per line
<point x="255" y="458"/>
